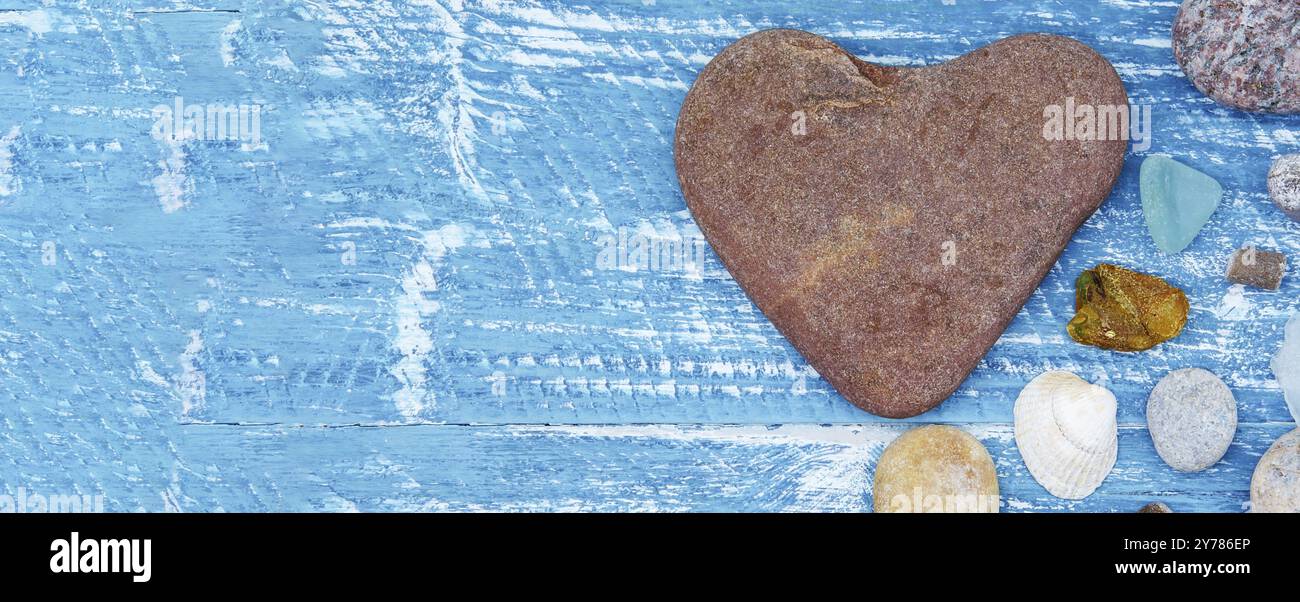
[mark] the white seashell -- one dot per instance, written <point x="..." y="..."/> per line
<point x="1067" y="434"/>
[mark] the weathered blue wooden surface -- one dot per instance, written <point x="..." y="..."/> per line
<point x="201" y="341"/>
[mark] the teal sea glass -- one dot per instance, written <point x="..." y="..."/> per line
<point x="1177" y="201"/>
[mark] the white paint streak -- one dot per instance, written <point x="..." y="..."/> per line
<point x="149" y="375"/>
<point x="414" y="307"/>
<point x="227" y="42"/>
<point x="532" y="59"/>
<point x="1127" y="4"/>
<point x="191" y="383"/>
<point x="173" y="183"/>
<point x="1153" y="42"/>
<point x="369" y="222"/>
<point x="9" y="183"/>
<point x="1135" y="70"/>
<point x="453" y="112"/>
<point x="639" y="81"/>
<point x="413" y="341"/>
<point x="35" y="21"/>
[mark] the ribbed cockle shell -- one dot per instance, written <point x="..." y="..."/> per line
<point x="1066" y="432"/>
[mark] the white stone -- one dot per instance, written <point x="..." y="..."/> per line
<point x="1286" y="366"/>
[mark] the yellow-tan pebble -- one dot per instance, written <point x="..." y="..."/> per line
<point x="935" y="469"/>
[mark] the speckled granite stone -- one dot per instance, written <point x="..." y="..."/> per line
<point x="1242" y="53"/>
<point x="1284" y="184"/>
<point x="892" y="221"/>
<point x="1192" y="417"/>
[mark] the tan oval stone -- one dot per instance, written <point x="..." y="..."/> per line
<point x="935" y="468"/>
<point x="1275" y="486"/>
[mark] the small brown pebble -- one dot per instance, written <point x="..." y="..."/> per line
<point x="1156" y="508"/>
<point x="1257" y="268"/>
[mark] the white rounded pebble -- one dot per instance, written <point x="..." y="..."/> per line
<point x="1192" y="417"/>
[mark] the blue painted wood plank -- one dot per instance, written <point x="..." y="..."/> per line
<point x="475" y="158"/>
<point x="794" y="468"/>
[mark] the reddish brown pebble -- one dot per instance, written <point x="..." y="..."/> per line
<point x="1155" y="508"/>
<point x="892" y="221"/>
<point x="1242" y="53"/>
<point x="1257" y="268"/>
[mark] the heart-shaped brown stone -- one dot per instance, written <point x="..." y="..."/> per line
<point x="892" y="221"/>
